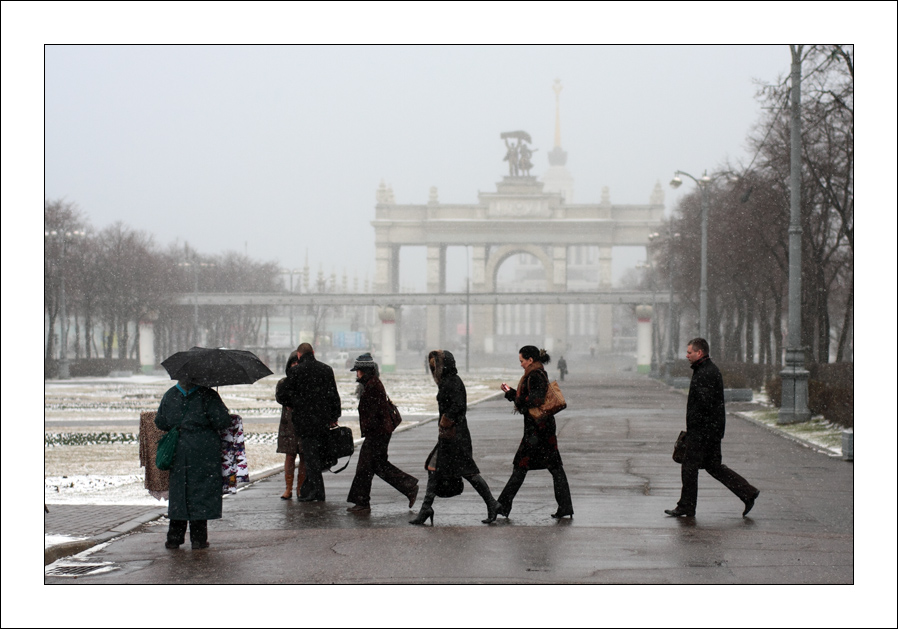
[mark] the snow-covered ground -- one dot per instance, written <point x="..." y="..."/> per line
<point x="91" y="427"/>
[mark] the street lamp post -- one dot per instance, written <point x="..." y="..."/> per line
<point x="291" y="272"/>
<point x="649" y="266"/>
<point x="63" y="237"/>
<point x="702" y="183"/>
<point x="196" y="295"/>
<point x="794" y="403"/>
<point x="668" y="365"/>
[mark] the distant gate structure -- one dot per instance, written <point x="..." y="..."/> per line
<point x="523" y="215"/>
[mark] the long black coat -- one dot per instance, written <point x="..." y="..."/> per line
<point x="194" y="491"/>
<point x="453" y="455"/>
<point x="538" y="449"/>
<point x="311" y="393"/>
<point x="705" y="415"/>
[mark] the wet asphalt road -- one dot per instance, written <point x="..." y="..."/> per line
<point x="615" y="439"/>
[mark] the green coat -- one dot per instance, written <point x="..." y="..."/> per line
<point x="195" y="480"/>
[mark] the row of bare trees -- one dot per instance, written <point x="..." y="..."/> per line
<point x="748" y="226"/>
<point x="116" y="277"/>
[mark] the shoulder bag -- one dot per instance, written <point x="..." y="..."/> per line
<point x="554" y="402"/>
<point x="165" y="450"/>
<point x="391" y="418"/>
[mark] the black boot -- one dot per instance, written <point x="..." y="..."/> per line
<point x="426" y="509"/>
<point x="492" y="505"/>
<point x="423" y="514"/>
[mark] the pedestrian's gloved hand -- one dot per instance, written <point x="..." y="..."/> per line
<point x="447" y="428"/>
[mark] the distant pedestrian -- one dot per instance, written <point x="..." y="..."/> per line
<point x="195" y="476"/>
<point x="452" y="457"/>
<point x="562" y="368"/>
<point x="705" y="424"/>
<point x="377" y="428"/>
<point x="311" y="393"/>
<point x="538" y="449"/>
<point x="288" y="444"/>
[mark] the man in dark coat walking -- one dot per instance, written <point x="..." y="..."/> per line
<point x="705" y="425"/>
<point x="311" y="392"/>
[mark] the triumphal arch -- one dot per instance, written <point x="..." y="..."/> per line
<point x="523" y="215"/>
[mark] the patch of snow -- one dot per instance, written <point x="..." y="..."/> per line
<point x="55" y="540"/>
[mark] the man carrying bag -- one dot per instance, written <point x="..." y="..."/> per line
<point x="311" y="391"/>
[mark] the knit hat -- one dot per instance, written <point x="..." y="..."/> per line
<point x="365" y="361"/>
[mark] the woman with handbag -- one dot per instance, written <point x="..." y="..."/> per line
<point x="194" y="492"/>
<point x="452" y="458"/>
<point x="538" y="449"/>
<point x="288" y="444"/>
<point x="377" y="425"/>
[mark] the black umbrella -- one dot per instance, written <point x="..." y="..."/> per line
<point x="216" y="367"/>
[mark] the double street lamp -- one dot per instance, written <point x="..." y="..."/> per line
<point x="291" y="272"/>
<point x="196" y="295"/>
<point x="63" y="237"/>
<point x="703" y="184"/>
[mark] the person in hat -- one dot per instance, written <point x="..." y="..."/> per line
<point x="377" y="429"/>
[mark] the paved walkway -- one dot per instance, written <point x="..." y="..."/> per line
<point x="615" y="438"/>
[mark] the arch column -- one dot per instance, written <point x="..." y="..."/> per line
<point x="483" y="317"/>
<point x="556" y="314"/>
<point x="436" y="283"/>
<point x="604" y="324"/>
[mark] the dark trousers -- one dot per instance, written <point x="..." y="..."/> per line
<point x="730" y="479"/>
<point x="559" y="480"/>
<point x="313" y="487"/>
<point x="373" y="459"/>
<point x="199" y="532"/>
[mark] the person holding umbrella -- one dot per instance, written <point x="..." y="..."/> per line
<point x="199" y="414"/>
<point x="194" y="486"/>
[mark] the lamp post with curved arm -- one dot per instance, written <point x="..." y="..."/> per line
<point x="702" y="183"/>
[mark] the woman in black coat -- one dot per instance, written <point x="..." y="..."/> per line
<point x="452" y="458"/>
<point x="539" y="446"/>
<point x="377" y="429"/>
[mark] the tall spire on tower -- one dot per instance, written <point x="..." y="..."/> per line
<point x="557" y="156"/>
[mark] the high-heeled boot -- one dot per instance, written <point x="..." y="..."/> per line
<point x="492" y="505"/>
<point x="288" y="476"/>
<point x="426" y="510"/>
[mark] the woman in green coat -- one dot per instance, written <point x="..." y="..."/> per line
<point x="195" y="478"/>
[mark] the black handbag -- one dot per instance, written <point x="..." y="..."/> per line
<point x="679" y="453"/>
<point x="339" y="444"/>
<point x="448" y="486"/>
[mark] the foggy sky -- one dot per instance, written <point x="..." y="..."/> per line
<point x="275" y="151"/>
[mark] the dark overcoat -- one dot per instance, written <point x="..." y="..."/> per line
<point x="373" y="420"/>
<point x="311" y="393"/>
<point x="194" y="491"/>
<point x="287" y="442"/>
<point x="705" y="415"/>
<point x="538" y="449"/>
<point x="453" y="454"/>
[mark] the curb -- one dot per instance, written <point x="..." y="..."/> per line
<point x="73" y="548"/>
<point x="804" y="442"/>
<point x="67" y="549"/>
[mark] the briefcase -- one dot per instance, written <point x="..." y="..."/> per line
<point x="339" y="444"/>
<point x="679" y="452"/>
